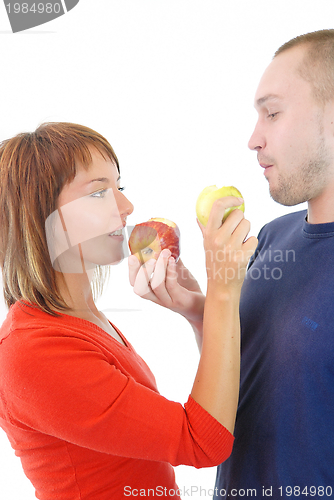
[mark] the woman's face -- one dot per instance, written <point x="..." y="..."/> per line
<point x="91" y="215"/>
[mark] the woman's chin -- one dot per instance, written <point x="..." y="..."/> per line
<point x="112" y="260"/>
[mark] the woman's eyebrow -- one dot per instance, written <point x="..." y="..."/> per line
<point x="101" y="179"/>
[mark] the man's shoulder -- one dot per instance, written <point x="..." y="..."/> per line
<point x="282" y="231"/>
<point x="288" y="221"/>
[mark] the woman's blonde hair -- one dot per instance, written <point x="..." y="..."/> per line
<point x="34" y="167"/>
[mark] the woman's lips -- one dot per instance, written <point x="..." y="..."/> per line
<point x="118" y="238"/>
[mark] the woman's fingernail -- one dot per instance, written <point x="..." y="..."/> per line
<point x="151" y="262"/>
<point x="165" y="253"/>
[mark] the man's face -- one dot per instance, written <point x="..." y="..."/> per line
<point x="292" y="136"/>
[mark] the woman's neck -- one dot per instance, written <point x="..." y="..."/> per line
<point x="76" y="291"/>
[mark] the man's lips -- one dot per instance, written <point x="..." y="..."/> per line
<point x="266" y="166"/>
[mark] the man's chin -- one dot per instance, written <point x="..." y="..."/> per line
<point x="285" y="198"/>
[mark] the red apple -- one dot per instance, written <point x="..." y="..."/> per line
<point x="149" y="238"/>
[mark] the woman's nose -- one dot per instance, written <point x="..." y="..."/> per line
<point x="125" y="206"/>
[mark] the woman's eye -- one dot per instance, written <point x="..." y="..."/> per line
<point x="272" y="115"/>
<point x="99" y="194"/>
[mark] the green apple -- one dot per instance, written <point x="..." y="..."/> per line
<point x="209" y="195"/>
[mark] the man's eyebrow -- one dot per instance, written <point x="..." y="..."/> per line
<point x="264" y="99"/>
<point x="101" y="179"/>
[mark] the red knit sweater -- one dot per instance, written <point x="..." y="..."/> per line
<point x="83" y="413"/>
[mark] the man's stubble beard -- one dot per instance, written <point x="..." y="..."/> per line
<point x="307" y="181"/>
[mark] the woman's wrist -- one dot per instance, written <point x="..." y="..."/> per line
<point x="195" y="311"/>
<point x="197" y="327"/>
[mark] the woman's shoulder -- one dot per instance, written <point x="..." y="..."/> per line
<point x="29" y="337"/>
<point x="25" y="317"/>
<point x="27" y="328"/>
<point x="26" y="324"/>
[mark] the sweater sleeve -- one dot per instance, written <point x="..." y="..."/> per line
<point x="67" y="388"/>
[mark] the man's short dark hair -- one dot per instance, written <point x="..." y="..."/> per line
<point x="318" y="64"/>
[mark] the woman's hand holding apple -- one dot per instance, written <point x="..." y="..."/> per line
<point x="169" y="284"/>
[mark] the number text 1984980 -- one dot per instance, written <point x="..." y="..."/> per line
<point x="35" y="8"/>
<point x="312" y="491"/>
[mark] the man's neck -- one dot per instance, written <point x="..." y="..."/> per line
<point x="321" y="209"/>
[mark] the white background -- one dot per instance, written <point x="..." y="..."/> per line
<point x="170" y="83"/>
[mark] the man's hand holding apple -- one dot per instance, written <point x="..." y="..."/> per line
<point x="226" y="249"/>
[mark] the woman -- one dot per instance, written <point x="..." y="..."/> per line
<point x="79" y="406"/>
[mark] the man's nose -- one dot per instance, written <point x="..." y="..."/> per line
<point x="257" y="140"/>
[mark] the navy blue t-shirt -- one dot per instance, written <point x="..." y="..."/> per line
<point x="284" y="434"/>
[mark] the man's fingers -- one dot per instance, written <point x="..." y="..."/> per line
<point x="200" y="225"/>
<point x="240" y="230"/>
<point x="250" y="245"/>
<point x="233" y="221"/>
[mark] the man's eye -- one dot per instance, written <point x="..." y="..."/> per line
<point x="121" y="188"/>
<point x="272" y="115"/>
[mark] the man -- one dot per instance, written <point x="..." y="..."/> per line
<point x="284" y="435"/>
